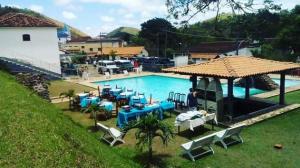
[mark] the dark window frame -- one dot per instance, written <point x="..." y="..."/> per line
<point x="26" y="37"/>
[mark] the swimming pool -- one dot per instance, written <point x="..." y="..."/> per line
<point x="160" y="86"/>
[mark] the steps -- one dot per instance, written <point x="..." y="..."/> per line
<point x="18" y="66"/>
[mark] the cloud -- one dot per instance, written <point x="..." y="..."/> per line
<point x="128" y="16"/>
<point x="62" y="2"/>
<point x="107" y="18"/>
<point x="69" y="15"/>
<point x="153" y="6"/>
<point x="37" y="8"/>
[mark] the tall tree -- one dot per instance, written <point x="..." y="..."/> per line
<point x="159" y="34"/>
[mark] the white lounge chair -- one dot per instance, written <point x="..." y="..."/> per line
<point x="126" y="73"/>
<point x="107" y="75"/>
<point x="229" y="133"/>
<point x="206" y="141"/>
<point x="111" y="135"/>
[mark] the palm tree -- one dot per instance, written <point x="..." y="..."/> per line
<point x="94" y="109"/>
<point x="148" y="128"/>
<point x="70" y="94"/>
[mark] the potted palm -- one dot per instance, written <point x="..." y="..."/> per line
<point x="94" y="109"/>
<point x="70" y="94"/>
<point x="148" y="128"/>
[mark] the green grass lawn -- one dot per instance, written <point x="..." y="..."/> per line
<point x="257" y="151"/>
<point x="60" y="86"/>
<point x="35" y="133"/>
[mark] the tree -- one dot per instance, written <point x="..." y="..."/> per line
<point x="148" y="128"/>
<point x="158" y="33"/>
<point x="70" y="94"/>
<point x="190" y="8"/>
<point x="288" y="38"/>
<point x="94" y="109"/>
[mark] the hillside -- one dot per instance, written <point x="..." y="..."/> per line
<point x="124" y="30"/>
<point x="75" y="32"/>
<point x="34" y="133"/>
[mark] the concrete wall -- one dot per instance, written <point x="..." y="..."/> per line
<point x="180" y="60"/>
<point x="86" y="47"/>
<point x="41" y="51"/>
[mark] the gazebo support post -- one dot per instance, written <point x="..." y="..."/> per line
<point x="282" y="88"/>
<point x="230" y="96"/>
<point x="193" y="79"/>
<point x="247" y="88"/>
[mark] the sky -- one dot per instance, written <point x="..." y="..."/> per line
<point x="95" y="16"/>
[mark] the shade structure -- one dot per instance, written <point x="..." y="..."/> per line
<point x="234" y="67"/>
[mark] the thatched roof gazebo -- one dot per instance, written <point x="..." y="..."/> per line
<point x="233" y="67"/>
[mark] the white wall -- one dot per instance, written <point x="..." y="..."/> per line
<point x="242" y="52"/>
<point x="180" y="60"/>
<point x="41" y="51"/>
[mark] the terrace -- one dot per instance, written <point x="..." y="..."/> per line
<point x="172" y="153"/>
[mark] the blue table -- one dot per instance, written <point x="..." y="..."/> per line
<point x="107" y="105"/>
<point x="167" y="105"/>
<point x="82" y="96"/>
<point x="123" y="116"/>
<point x="137" y="99"/>
<point x="125" y="95"/>
<point x="89" y="100"/>
<point x="115" y="92"/>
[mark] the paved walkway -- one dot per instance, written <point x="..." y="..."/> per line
<point x="268" y="115"/>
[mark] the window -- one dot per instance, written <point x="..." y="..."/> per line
<point x="26" y="37"/>
<point x="91" y="49"/>
<point x="82" y="47"/>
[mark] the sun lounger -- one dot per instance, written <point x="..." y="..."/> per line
<point x="229" y="133"/>
<point x="204" y="142"/>
<point x="111" y="135"/>
<point x="126" y="73"/>
<point x="107" y="75"/>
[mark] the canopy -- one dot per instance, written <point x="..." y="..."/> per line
<point x="234" y="67"/>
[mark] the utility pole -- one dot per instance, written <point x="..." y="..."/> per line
<point x="100" y="40"/>
<point x="166" y="43"/>
<point x="157" y="44"/>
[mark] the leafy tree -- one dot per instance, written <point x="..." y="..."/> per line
<point x="190" y="8"/>
<point x="158" y="34"/>
<point x="148" y="128"/>
<point x="288" y="38"/>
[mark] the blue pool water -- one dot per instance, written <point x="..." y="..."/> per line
<point x="160" y="86"/>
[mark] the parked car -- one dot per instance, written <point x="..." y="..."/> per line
<point x="107" y="66"/>
<point x="124" y="65"/>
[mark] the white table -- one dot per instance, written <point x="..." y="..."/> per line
<point x="193" y="123"/>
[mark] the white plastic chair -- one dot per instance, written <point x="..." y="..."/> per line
<point x="229" y="133"/>
<point x="111" y="135"/>
<point x="126" y="73"/>
<point x="203" y="142"/>
<point x="107" y="75"/>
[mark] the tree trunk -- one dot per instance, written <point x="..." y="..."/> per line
<point x="95" y="118"/>
<point x="150" y="147"/>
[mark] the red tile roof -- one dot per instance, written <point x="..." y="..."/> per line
<point x="24" y="20"/>
<point x="234" y="67"/>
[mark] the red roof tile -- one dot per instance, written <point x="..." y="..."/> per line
<point x="24" y="20"/>
<point x="234" y="67"/>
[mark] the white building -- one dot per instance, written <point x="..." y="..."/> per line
<point x="31" y="40"/>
